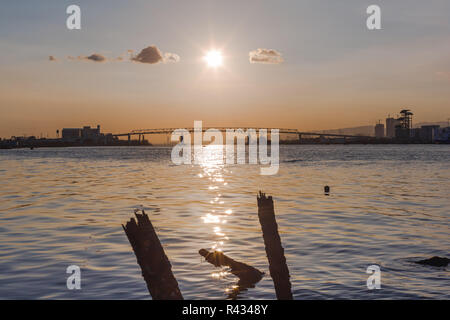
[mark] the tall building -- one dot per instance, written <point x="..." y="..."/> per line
<point x="404" y="126"/>
<point x="390" y="127"/>
<point x="379" y="130"/>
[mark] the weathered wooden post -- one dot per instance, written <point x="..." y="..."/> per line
<point x="155" y="266"/>
<point x="275" y="252"/>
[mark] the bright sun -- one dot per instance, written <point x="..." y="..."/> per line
<point x="213" y="58"/>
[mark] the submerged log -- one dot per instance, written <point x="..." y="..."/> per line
<point x="275" y="252"/>
<point x="155" y="266"/>
<point x="246" y="274"/>
<point x="435" y="262"/>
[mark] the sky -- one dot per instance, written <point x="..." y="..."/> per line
<point x="139" y="64"/>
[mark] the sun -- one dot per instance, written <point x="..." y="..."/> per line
<point x="213" y="58"/>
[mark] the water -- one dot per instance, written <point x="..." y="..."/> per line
<point x="389" y="205"/>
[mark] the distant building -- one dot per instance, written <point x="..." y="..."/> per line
<point x="390" y="127"/>
<point x="415" y="134"/>
<point x="85" y="135"/>
<point x="429" y="134"/>
<point x="73" y="137"/>
<point x="71" y="134"/>
<point x="402" y="133"/>
<point x="443" y="135"/>
<point x="379" y="131"/>
<point x="404" y="126"/>
<point x="90" y="134"/>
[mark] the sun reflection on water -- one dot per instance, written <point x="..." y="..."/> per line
<point x="212" y="166"/>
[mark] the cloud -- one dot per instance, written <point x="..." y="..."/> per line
<point x="150" y="55"/>
<point x="268" y="56"/>
<point x="153" y="55"/>
<point x="96" y="57"/>
<point x="171" y="57"/>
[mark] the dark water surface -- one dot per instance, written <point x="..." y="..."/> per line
<point x="389" y="205"/>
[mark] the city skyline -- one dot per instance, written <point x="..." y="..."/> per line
<point x="361" y="130"/>
<point x="329" y="71"/>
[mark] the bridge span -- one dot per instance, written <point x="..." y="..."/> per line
<point x="300" y="134"/>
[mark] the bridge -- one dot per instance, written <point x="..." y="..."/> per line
<point x="300" y="134"/>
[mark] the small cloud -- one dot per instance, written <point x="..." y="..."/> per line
<point x="267" y="56"/>
<point x="153" y="55"/>
<point x="171" y="57"/>
<point x="52" y="58"/>
<point x="96" y="57"/>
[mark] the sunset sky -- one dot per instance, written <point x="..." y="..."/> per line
<point x="324" y="69"/>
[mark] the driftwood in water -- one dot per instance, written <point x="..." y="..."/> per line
<point x="248" y="275"/>
<point x="245" y="273"/>
<point x="435" y="262"/>
<point x="155" y="266"/>
<point x="275" y="252"/>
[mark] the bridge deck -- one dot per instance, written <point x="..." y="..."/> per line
<point x="224" y="129"/>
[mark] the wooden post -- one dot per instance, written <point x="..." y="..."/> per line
<point x="275" y="252"/>
<point x="155" y="266"/>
